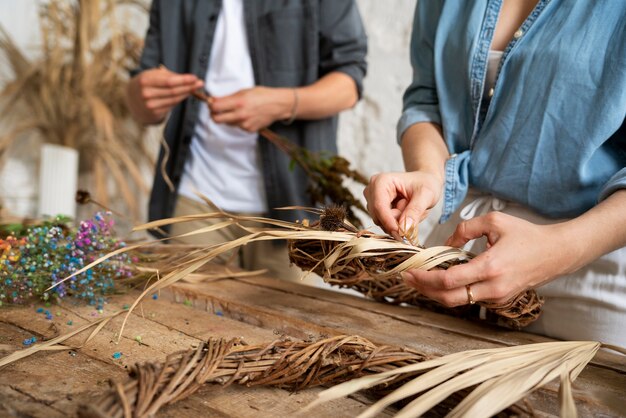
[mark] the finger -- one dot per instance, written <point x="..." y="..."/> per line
<point x="232" y="118"/>
<point x="452" y="278"/>
<point x="471" y="229"/>
<point x="226" y="103"/>
<point x="166" y="78"/>
<point x="168" y="102"/>
<point x="380" y="206"/>
<point x="163" y="92"/>
<point x="458" y="296"/>
<point x="250" y="126"/>
<point x="400" y="203"/>
<point x="396" y="213"/>
<point x="415" y="211"/>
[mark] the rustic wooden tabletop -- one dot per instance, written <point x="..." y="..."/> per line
<point x="257" y="309"/>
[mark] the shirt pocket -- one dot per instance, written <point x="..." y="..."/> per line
<point x="286" y="39"/>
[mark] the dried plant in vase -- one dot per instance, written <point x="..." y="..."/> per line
<point x="73" y="94"/>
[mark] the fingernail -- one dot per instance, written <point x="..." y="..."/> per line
<point x="406" y="226"/>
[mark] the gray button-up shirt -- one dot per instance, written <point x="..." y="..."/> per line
<point x="292" y="43"/>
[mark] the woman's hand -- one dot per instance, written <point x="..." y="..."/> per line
<point x="153" y="93"/>
<point x="520" y="255"/>
<point x="253" y="109"/>
<point x="397" y="202"/>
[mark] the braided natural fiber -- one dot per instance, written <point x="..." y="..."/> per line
<point x="375" y="273"/>
<point x="284" y="364"/>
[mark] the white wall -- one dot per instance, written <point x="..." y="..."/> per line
<point x="18" y="182"/>
<point x="366" y="133"/>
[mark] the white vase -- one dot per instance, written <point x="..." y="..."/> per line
<point x="58" y="176"/>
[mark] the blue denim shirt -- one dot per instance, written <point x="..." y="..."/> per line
<point x="552" y="136"/>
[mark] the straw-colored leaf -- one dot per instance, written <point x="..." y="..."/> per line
<point x="54" y="344"/>
<point x="503" y="375"/>
<point x="358" y="246"/>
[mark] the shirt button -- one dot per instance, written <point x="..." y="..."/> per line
<point x="518" y="34"/>
<point x="490" y="93"/>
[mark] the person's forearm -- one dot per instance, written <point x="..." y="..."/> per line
<point x="423" y="149"/>
<point x="326" y="97"/>
<point x="597" y="232"/>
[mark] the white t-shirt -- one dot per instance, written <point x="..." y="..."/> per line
<point x="223" y="163"/>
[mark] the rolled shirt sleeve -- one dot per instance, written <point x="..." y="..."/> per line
<point x="151" y="54"/>
<point x="343" y="42"/>
<point x="615" y="183"/>
<point x="420" y="101"/>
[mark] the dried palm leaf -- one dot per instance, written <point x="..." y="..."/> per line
<point x="379" y="256"/>
<point x="503" y="375"/>
<point x="55" y="344"/>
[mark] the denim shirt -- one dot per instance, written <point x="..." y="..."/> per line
<point x="292" y="43"/>
<point x="552" y="136"/>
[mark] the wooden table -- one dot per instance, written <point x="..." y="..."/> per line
<point x="53" y="384"/>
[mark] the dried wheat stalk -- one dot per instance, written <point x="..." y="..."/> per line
<point x="284" y="364"/>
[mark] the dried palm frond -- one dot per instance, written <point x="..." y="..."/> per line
<point x="379" y="256"/>
<point x="73" y="94"/>
<point x="503" y="375"/>
<point x="284" y="364"/>
<point x="56" y="343"/>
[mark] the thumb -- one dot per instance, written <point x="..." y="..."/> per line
<point x="413" y="214"/>
<point x="469" y="230"/>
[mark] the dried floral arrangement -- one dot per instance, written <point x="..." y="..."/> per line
<point x="73" y="94"/>
<point x="469" y="383"/>
<point x="37" y="257"/>
<point x="488" y="382"/>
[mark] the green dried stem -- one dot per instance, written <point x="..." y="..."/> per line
<point x="326" y="173"/>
